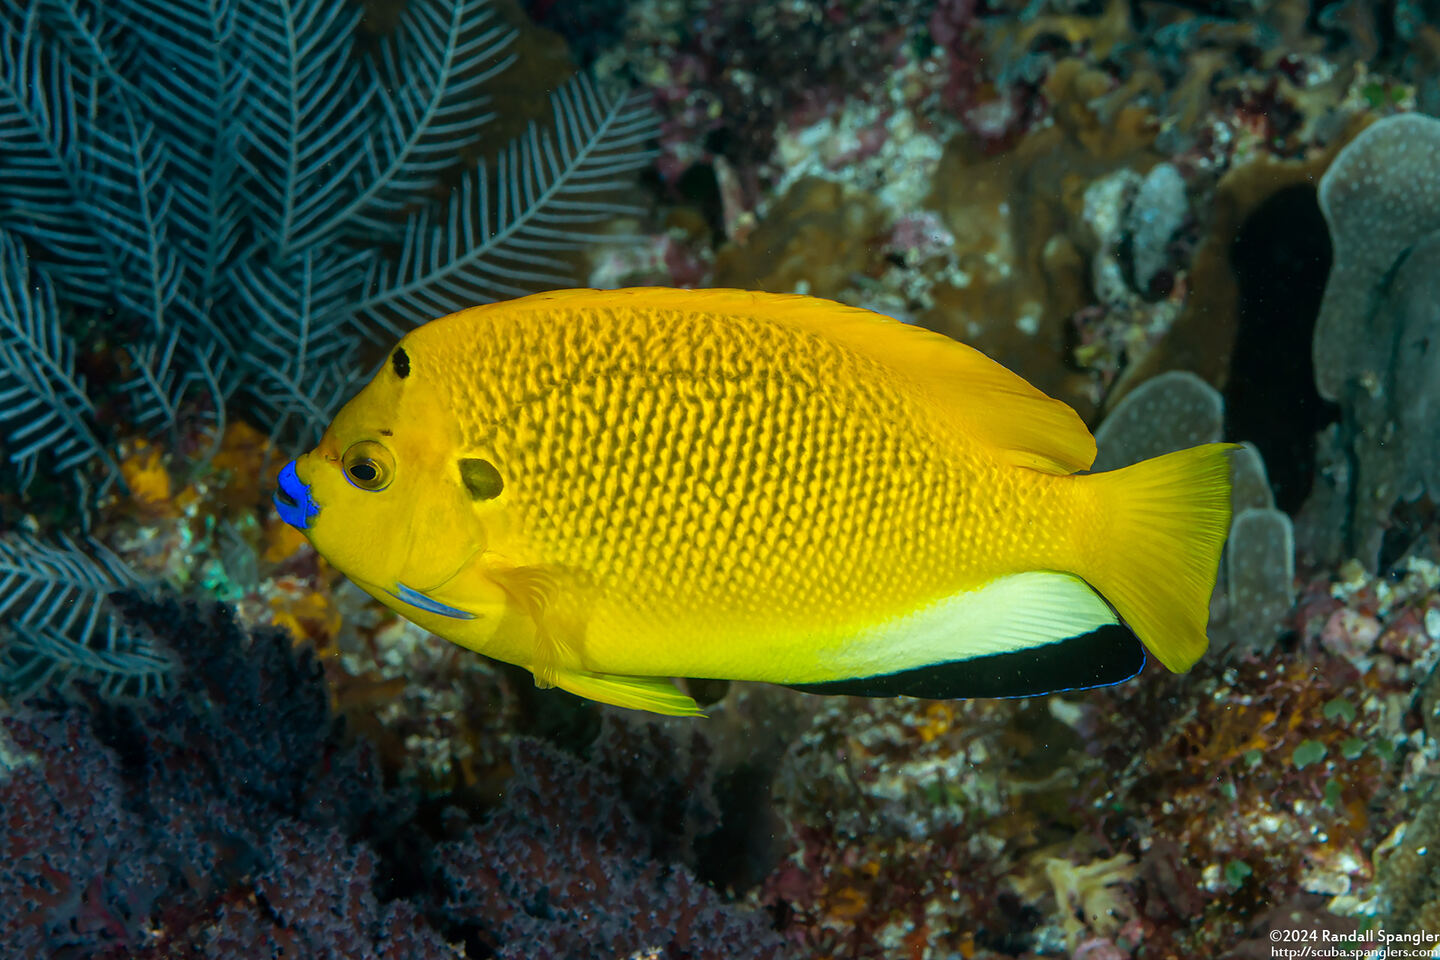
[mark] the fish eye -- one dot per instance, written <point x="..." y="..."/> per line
<point x="368" y="466"/>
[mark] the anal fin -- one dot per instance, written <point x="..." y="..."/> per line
<point x="655" y="694"/>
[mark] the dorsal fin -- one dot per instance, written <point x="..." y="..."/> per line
<point x="983" y="398"/>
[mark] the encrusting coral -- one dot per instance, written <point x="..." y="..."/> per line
<point x="1082" y="895"/>
<point x="817" y="238"/>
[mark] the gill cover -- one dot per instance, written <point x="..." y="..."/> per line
<point x="388" y="497"/>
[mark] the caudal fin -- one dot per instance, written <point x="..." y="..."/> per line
<point x="1165" y="522"/>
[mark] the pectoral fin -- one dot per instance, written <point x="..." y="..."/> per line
<point x="655" y="694"/>
<point x="555" y="601"/>
<point x="551" y="598"/>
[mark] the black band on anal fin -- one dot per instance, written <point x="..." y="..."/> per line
<point x="1111" y="654"/>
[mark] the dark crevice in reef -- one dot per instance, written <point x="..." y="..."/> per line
<point x="1281" y="258"/>
<point x="746" y="846"/>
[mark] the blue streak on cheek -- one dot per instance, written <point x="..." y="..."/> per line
<point x="292" y="498"/>
<point x="417" y="599"/>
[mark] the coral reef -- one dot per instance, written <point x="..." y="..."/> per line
<point x="227" y="214"/>
<point x="1258" y="581"/>
<point x="732" y="73"/>
<point x="1085" y="896"/>
<point x="819" y="236"/>
<point x="315" y="897"/>
<point x="562" y="865"/>
<point x="232" y="817"/>
<point x="47" y="410"/>
<point x="202" y="228"/>
<point x="975" y="827"/>
<point x="1411" y="903"/>
<point x="1169" y="412"/>
<point x="126" y="823"/>
<point x="1089" y="168"/>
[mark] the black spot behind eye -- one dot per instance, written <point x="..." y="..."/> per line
<point x="481" y="478"/>
<point x="400" y="363"/>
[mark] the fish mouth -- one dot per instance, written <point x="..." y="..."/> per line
<point x="292" y="498"/>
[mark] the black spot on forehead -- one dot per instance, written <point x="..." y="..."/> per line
<point x="386" y="433"/>
<point x="400" y="363"/>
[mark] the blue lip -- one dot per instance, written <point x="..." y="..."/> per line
<point x="293" y="500"/>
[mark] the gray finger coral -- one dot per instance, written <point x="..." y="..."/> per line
<point x="1377" y="338"/>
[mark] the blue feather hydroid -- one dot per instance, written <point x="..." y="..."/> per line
<point x="229" y="192"/>
<point x="223" y="175"/>
<point x="43" y="104"/>
<point x="45" y="411"/>
<point x="56" y="620"/>
<point x="498" y="235"/>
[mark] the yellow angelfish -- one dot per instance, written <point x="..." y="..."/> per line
<point x="613" y="488"/>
